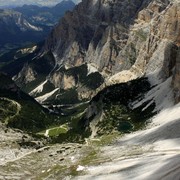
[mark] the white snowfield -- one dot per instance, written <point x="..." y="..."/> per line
<point x="149" y="154"/>
<point x="27" y="50"/>
<point x="38" y="89"/>
<point x="161" y="94"/>
<point x="41" y="99"/>
<point x="24" y="25"/>
<point x="91" y="69"/>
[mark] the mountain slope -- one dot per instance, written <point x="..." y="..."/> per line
<point x="152" y="153"/>
<point x="98" y="45"/>
<point x="15" y="29"/>
<point x="19" y="110"/>
<point x="29" y="24"/>
<point x="48" y="16"/>
<point x="122" y="57"/>
<point x="118" y="45"/>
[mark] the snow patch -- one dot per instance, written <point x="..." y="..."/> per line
<point x="27" y="50"/>
<point x="73" y="159"/>
<point x="24" y="25"/>
<point x="161" y="94"/>
<point x="80" y="168"/>
<point x="91" y="69"/>
<point x="46" y="134"/>
<point x="38" y="89"/>
<point x="30" y="26"/>
<point x="41" y="99"/>
<point x="153" y="153"/>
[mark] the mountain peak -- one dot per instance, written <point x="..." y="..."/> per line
<point x="65" y="3"/>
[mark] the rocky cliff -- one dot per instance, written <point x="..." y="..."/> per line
<point x="120" y="40"/>
<point x="95" y="32"/>
<point x="123" y="56"/>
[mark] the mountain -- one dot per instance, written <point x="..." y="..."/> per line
<point x="110" y="71"/>
<point x="48" y="16"/>
<point x="17" y="30"/>
<point x="29" y="24"/>
<point x="19" y="110"/>
<point x="99" y="45"/>
<point x="7" y="7"/>
<point x="47" y="3"/>
<point x="102" y="42"/>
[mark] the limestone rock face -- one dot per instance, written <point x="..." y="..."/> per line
<point x="122" y="40"/>
<point x="62" y="80"/>
<point x="111" y="39"/>
<point x="30" y="74"/>
<point x="152" y="46"/>
<point x="95" y="32"/>
<point x="176" y="79"/>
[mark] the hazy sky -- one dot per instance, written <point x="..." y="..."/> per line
<point x="41" y="2"/>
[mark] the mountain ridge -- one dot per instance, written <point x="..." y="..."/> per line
<point x="107" y="46"/>
<point x="109" y="72"/>
<point x="118" y="47"/>
<point x="45" y="15"/>
<point x="29" y="24"/>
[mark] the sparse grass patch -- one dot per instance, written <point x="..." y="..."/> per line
<point x="57" y="131"/>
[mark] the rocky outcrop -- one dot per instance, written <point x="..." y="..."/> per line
<point x="62" y="80"/>
<point x="95" y="32"/>
<point x="103" y="34"/>
<point x="30" y="74"/>
<point x="120" y="45"/>
<point x="176" y="79"/>
<point x="111" y="39"/>
<point x="153" y="42"/>
<point x="35" y="71"/>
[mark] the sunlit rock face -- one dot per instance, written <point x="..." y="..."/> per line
<point x="115" y="42"/>
<point x="121" y="45"/>
<point x="103" y="34"/>
<point x="95" y="32"/>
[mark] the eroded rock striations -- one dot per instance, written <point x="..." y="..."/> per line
<point x="119" y="40"/>
<point x="125" y="54"/>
